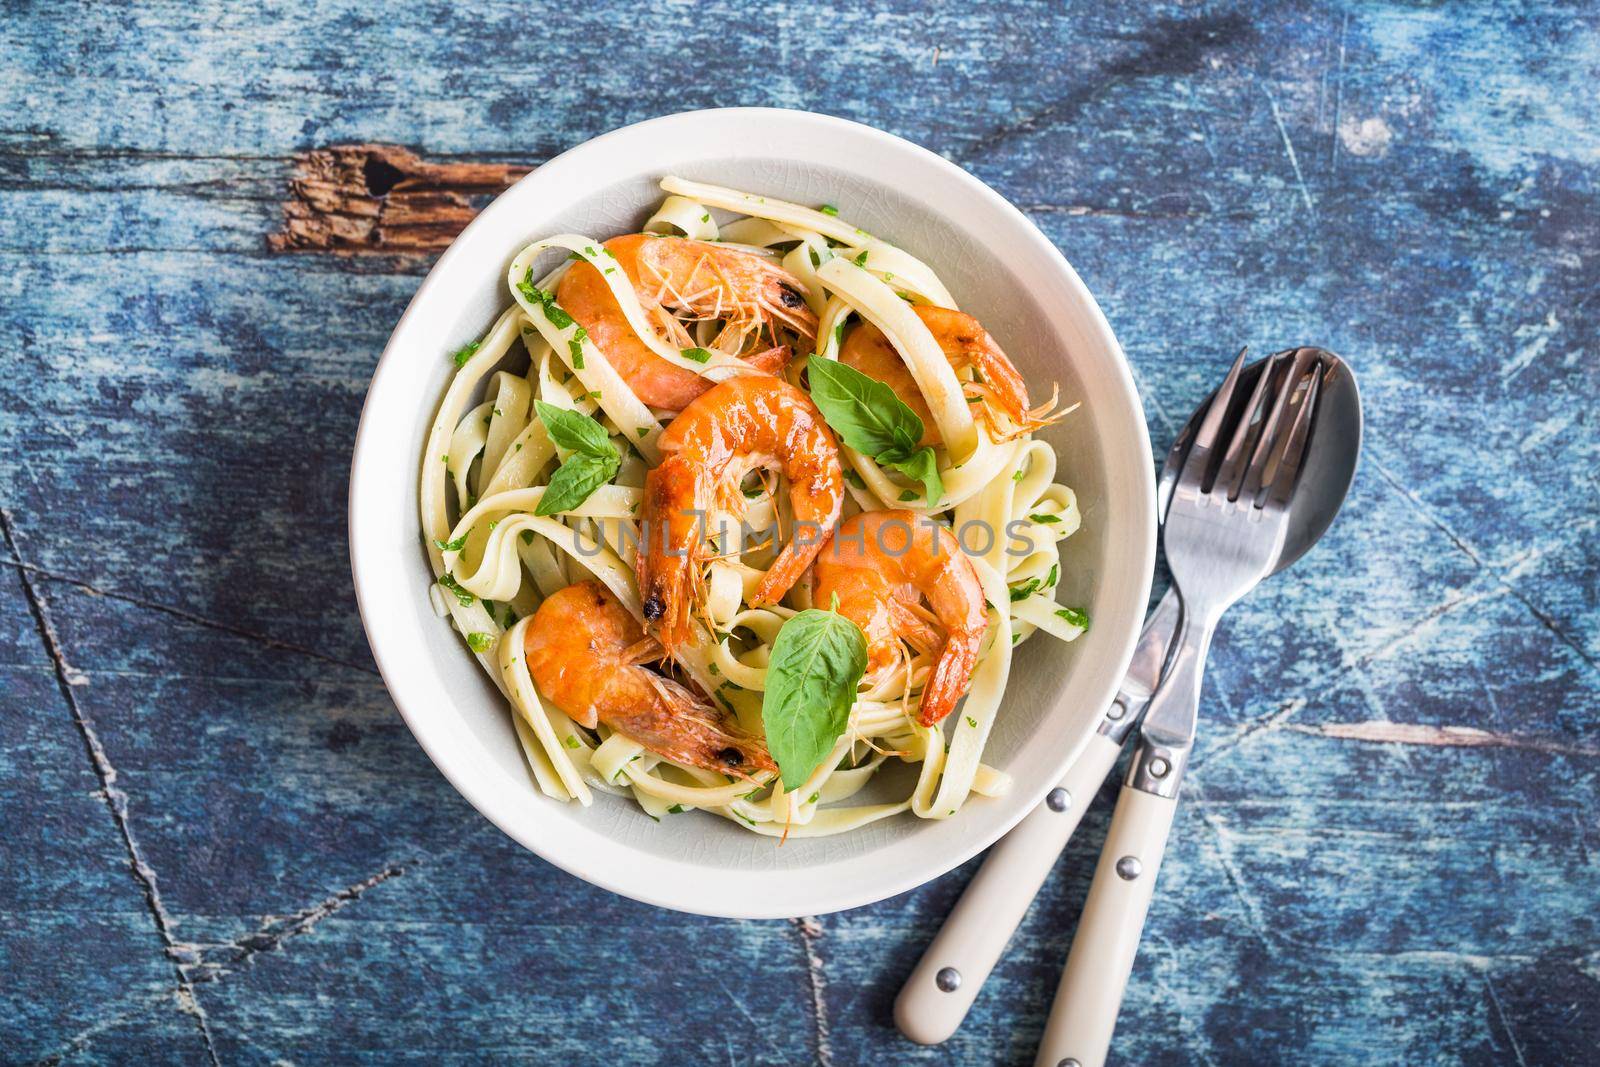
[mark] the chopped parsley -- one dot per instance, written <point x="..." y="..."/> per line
<point x="1074" y="617"/>
<point x="972" y="722"/>
<point x="829" y="209"/>
<point x="676" y="809"/>
<point x="527" y="537"/>
<point x="479" y="642"/>
<point x="699" y="355"/>
<point x="454" y="586"/>
<point x="575" y="346"/>
<point x="813" y="798"/>
<point x="1025" y="590"/>
<point x="465" y="352"/>
<point x="907" y="496"/>
<point x="854" y="479"/>
<point x="452" y="546"/>
<point x="535" y="295"/>
<point x="1047" y="519"/>
<point x="861" y="260"/>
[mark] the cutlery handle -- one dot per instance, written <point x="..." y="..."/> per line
<point x="1090" y="994"/>
<point x="930" y="1008"/>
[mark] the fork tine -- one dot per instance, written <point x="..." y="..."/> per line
<point x="1231" y="472"/>
<point x="1255" y="474"/>
<point x="1294" y="443"/>
<point x="1205" y="438"/>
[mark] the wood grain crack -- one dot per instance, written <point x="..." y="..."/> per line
<point x="277" y="929"/>
<point x="374" y="198"/>
<point x="116" y="800"/>
<point x="1380" y="731"/>
<point x="1262" y="724"/>
<point x="179" y="613"/>
<point x="85" y="1037"/>
<point x="809" y="930"/>
<point x="1544" y="618"/>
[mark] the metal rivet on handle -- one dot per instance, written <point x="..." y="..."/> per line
<point x="1058" y="799"/>
<point x="1117" y="710"/>
<point x="948" y="979"/>
<point x="1069" y="1062"/>
<point x="1159" y="767"/>
<point x="1129" y="868"/>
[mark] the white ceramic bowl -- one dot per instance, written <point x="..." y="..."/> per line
<point x="999" y="267"/>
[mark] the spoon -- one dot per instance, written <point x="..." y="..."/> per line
<point x="938" y="994"/>
<point x="1224" y="530"/>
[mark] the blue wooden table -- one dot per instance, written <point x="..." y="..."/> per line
<point x="219" y="843"/>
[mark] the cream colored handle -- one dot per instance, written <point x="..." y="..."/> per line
<point x="929" y="1009"/>
<point x="1090" y="994"/>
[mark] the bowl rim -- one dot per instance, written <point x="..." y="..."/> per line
<point x="502" y="815"/>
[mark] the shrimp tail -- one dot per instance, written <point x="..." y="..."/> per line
<point x="686" y="730"/>
<point x="948" y="680"/>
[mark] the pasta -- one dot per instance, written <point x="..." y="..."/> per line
<point x="520" y="500"/>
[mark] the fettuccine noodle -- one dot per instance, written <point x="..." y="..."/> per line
<point x="488" y="463"/>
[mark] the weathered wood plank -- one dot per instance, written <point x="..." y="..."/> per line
<point x="1416" y="188"/>
<point x="352" y="199"/>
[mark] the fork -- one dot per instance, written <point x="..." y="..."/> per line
<point x="1224" y="528"/>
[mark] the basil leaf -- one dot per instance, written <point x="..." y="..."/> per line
<point x="862" y="410"/>
<point x="817" y="662"/>
<point x="921" y="466"/>
<point x="575" y="480"/>
<point x="575" y="432"/>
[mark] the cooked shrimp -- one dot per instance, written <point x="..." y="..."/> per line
<point x="965" y="343"/>
<point x="587" y="654"/>
<point x="744" y="424"/>
<point x="674" y="277"/>
<point x="881" y="565"/>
